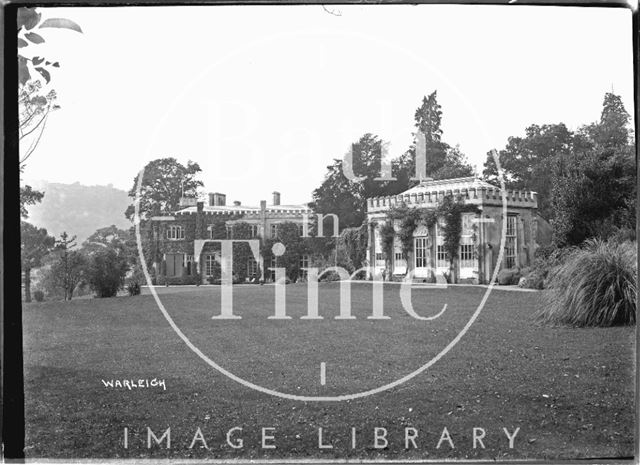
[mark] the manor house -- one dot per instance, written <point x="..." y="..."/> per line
<point x="480" y="237"/>
<point x="181" y="241"/>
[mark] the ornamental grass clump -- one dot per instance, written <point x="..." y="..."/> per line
<point x="595" y="286"/>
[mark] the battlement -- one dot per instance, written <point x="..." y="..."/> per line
<point x="472" y="195"/>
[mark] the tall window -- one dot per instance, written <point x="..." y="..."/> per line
<point x="229" y="228"/>
<point x="272" y="273"/>
<point x="442" y="259"/>
<point x="209" y="263"/>
<point x="274" y="231"/>
<point x="254" y="231"/>
<point x="300" y="230"/>
<point x="252" y="267"/>
<point x="511" y="245"/>
<point x="421" y="252"/>
<point x="467" y="249"/>
<point x="175" y="232"/>
<point x="466" y="256"/>
<point x="304" y="263"/>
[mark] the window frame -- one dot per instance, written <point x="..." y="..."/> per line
<point x="210" y="259"/>
<point x="421" y="249"/>
<point x="304" y="263"/>
<point x="252" y="266"/>
<point x="175" y="232"/>
<point x="511" y="242"/>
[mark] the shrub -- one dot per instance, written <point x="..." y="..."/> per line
<point x="509" y="276"/>
<point x="547" y="261"/>
<point x="106" y="272"/>
<point x="544" y="251"/>
<point x="133" y="288"/>
<point x="38" y="295"/>
<point x="623" y="234"/>
<point x="535" y="279"/>
<point x="329" y="277"/>
<point x="596" y="286"/>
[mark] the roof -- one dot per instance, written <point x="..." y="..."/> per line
<point x="247" y="209"/>
<point x="430" y="185"/>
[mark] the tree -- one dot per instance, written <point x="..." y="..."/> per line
<point x="347" y="197"/>
<point x="594" y="191"/>
<point x="34" y="103"/>
<point x="106" y="271"/>
<point x="35" y="244"/>
<point x="165" y="180"/>
<point x="28" y="196"/>
<point x="442" y="161"/>
<point x="612" y="130"/>
<point x="527" y="162"/>
<point x="595" y="197"/>
<point x="105" y="238"/>
<point x="455" y="165"/>
<point x="428" y="118"/>
<point x="69" y="271"/>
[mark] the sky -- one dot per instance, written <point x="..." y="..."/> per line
<point x="265" y="97"/>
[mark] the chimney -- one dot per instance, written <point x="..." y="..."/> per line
<point x="236" y="203"/>
<point x="276" y="198"/>
<point x="216" y="199"/>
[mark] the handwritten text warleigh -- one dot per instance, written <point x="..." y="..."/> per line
<point x="134" y="383"/>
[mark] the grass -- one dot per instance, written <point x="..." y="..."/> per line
<point x="569" y="390"/>
<point x="595" y="286"/>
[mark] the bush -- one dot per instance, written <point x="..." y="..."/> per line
<point x="596" y="286"/>
<point x="330" y="277"/>
<point x="106" y="272"/>
<point x="535" y="279"/>
<point x="547" y="261"/>
<point x="133" y="288"/>
<point x="509" y="276"/>
<point x="621" y="235"/>
<point x="39" y="296"/>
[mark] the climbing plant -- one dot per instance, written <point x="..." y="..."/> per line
<point x="409" y="219"/>
<point x="241" y="251"/>
<point x="450" y="209"/>
<point x="353" y="242"/>
<point x="387" y="235"/>
<point x="295" y="247"/>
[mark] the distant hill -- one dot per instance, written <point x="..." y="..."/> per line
<point x="79" y="210"/>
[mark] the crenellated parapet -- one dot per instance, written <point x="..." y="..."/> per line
<point x="472" y="195"/>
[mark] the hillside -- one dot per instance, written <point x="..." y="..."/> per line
<point x="80" y="210"/>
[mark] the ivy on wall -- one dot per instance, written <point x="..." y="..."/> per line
<point x="408" y="220"/>
<point x="450" y="210"/>
<point x="352" y="245"/>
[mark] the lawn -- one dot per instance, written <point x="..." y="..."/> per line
<point x="570" y="391"/>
